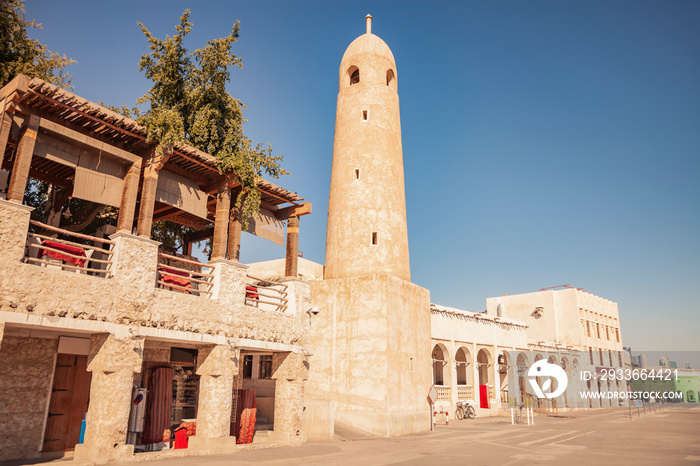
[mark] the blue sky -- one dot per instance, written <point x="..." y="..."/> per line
<point x="545" y="142"/>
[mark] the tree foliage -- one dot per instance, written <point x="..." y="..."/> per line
<point x="189" y="103"/>
<point x="20" y="54"/>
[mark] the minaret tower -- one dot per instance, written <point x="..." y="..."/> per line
<point x="369" y="367"/>
<point x="367" y="231"/>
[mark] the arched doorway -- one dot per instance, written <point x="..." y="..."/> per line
<point x="441" y="373"/>
<point x="440" y="361"/>
<point x="485" y="362"/>
<point x="465" y="376"/>
<point x="522" y="364"/>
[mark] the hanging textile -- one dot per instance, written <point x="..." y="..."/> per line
<point x="99" y="178"/>
<point x="483" y="396"/>
<point x="246" y="411"/>
<point x="160" y="391"/>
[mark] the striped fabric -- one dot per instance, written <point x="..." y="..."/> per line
<point x="246" y="412"/>
<point x="160" y="396"/>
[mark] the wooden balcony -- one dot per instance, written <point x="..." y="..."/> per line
<point x="53" y="247"/>
<point x="266" y="294"/>
<point x="184" y="275"/>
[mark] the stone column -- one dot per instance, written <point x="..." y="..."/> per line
<point x="127" y="207"/>
<point x="475" y="375"/>
<point x="113" y="363"/>
<point x="228" y="285"/>
<point x="221" y="222"/>
<point x="23" y="161"/>
<point x="148" y="193"/>
<point x="14" y="223"/>
<point x="292" y="259"/>
<point x="496" y="380"/>
<point x="289" y="370"/>
<point x="233" y="250"/>
<point x="217" y="365"/>
<point x="135" y="261"/>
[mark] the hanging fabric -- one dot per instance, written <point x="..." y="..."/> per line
<point x="160" y="390"/>
<point x="246" y="412"/>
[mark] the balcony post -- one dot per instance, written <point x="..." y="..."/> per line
<point x="221" y="223"/>
<point x="292" y="257"/>
<point x="233" y="250"/>
<point x="125" y="222"/>
<point x="148" y="194"/>
<point x="23" y="161"/>
<point x="135" y="261"/>
<point x="14" y="224"/>
<point x="5" y="126"/>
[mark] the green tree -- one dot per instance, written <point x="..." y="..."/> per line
<point x="189" y="103"/>
<point x="20" y="54"/>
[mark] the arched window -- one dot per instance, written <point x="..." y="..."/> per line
<point x="391" y="79"/>
<point x="354" y="73"/>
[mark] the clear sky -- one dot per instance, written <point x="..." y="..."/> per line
<point x="545" y="142"/>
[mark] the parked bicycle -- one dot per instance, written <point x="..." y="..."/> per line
<point x="465" y="411"/>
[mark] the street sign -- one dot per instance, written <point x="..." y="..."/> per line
<point x="637" y="403"/>
<point x="432" y="395"/>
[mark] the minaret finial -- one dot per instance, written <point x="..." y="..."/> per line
<point x="369" y="23"/>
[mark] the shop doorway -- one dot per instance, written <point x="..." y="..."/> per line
<point x="70" y="395"/>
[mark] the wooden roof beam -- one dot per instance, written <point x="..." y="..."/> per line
<point x="293" y="211"/>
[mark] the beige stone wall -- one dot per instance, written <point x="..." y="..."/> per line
<point x="25" y="386"/>
<point x="522" y="307"/>
<point x="368" y="344"/>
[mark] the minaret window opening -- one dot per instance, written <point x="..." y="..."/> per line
<point x="391" y="79"/>
<point x="357" y="173"/>
<point x="364" y="114"/>
<point x="374" y="238"/>
<point x="354" y="73"/>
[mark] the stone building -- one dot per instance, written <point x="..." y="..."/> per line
<point x="568" y="322"/>
<point x="86" y="318"/>
<point x="492" y="351"/>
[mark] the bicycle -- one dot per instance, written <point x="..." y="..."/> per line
<point x="465" y="411"/>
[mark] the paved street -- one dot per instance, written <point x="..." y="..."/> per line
<point x="580" y="438"/>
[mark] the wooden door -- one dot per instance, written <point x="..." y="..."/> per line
<point x="69" y="401"/>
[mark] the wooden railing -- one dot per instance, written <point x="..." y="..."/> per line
<point x="266" y="294"/>
<point x="185" y="275"/>
<point x="61" y="249"/>
<point x="443" y="393"/>
<point x="465" y="392"/>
